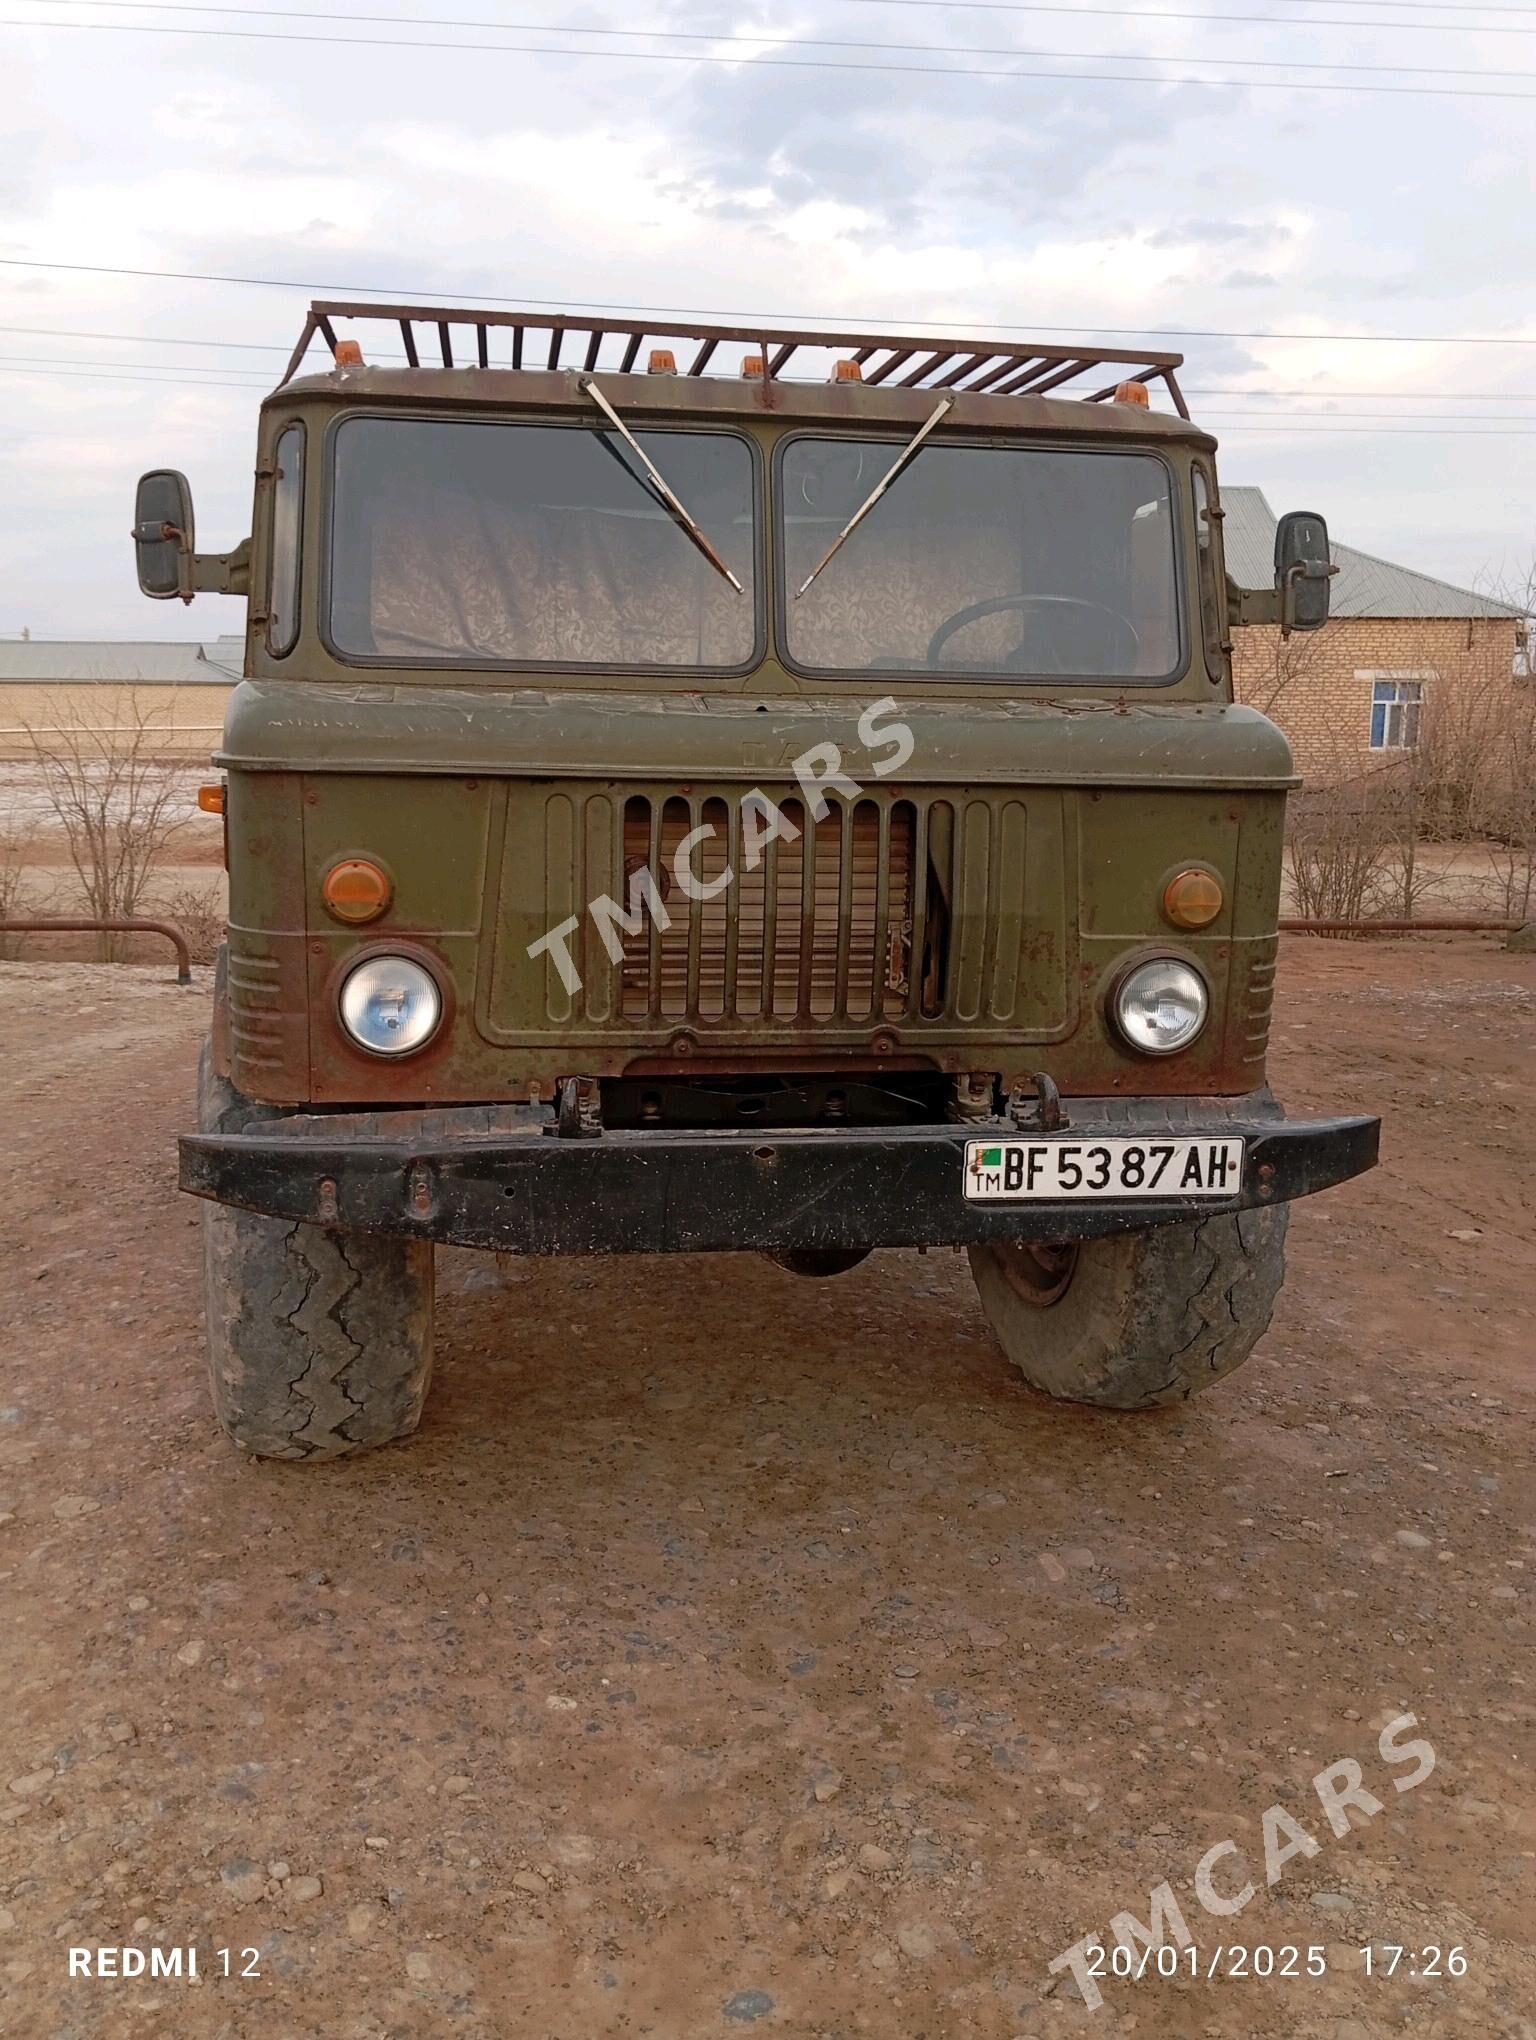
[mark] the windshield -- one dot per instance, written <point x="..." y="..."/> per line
<point x="543" y="545"/>
<point x="980" y="560"/>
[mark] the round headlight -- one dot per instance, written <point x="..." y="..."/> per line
<point x="1160" y="1006"/>
<point x="390" y="1005"/>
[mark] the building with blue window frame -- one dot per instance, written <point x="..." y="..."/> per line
<point x="1399" y="643"/>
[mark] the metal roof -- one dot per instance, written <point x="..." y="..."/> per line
<point x="83" y="661"/>
<point x="1363" y="586"/>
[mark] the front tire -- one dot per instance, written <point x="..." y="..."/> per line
<point x="1140" y="1320"/>
<point x="319" y="1342"/>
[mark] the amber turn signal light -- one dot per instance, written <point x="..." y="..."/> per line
<point x="211" y="799"/>
<point x="1193" y="899"/>
<point x="355" y="890"/>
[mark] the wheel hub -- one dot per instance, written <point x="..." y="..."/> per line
<point x="1039" y="1272"/>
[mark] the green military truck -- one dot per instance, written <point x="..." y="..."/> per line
<point x="699" y="788"/>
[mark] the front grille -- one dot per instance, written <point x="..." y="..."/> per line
<point x="930" y="914"/>
<point x="819" y="927"/>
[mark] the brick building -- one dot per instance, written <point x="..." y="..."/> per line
<point x="179" y="689"/>
<point x="1399" y="648"/>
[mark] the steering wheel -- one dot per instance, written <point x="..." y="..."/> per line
<point x="975" y="610"/>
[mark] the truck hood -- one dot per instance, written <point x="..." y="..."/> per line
<point x="302" y="726"/>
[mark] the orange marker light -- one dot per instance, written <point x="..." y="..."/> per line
<point x="846" y="371"/>
<point x="355" y="890"/>
<point x="211" y="799"/>
<point x="662" y="362"/>
<point x="752" y="366"/>
<point x="1193" y="899"/>
<point x="349" y="354"/>
<point x="1133" y="393"/>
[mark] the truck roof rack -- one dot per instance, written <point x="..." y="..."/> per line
<point x="1000" y="368"/>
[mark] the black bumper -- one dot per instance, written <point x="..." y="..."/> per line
<point x="688" y="1192"/>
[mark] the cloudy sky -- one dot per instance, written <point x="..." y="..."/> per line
<point x="1109" y="195"/>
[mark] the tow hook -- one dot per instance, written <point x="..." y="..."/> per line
<point x="1038" y="1111"/>
<point x="578" y="1109"/>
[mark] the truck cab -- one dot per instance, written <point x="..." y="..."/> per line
<point x="703" y="789"/>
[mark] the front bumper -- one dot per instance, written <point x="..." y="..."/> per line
<point x="494" y="1179"/>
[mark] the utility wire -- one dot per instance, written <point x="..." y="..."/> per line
<point x="148" y="339"/>
<point x="756" y="41"/>
<point x="1381" y="396"/>
<point x="255" y="379"/>
<point x="1298" y="422"/>
<point x="52" y="362"/>
<point x="1389" y="431"/>
<point x="1128" y="14"/>
<point x="1442" y="6"/>
<point x="1190" y="389"/>
<point x="1380" y="417"/>
<point x="1018" y="77"/>
<point x="159" y="382"/>
<point x="1174" y="14"/>
<point x="394" y="294"/>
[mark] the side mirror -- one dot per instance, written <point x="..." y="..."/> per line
<point x="1303" y="569"/>
<point x="163" y="536"/>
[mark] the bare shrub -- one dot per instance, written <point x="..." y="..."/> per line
<point x="1451" y="806"/>
<point x="1511" y="851"/>
<point x="1341" y="844"/>
<point x="1472" y="779"/>
<point x="115" y="795"/>
<point x="1463" y="755"/>
<point x="1406" y="798"/>
<point x="14" y="850"/>
<point x="1285" y="666"/>
<point x="199" y="913"/>
<point x="1504" y="804"/>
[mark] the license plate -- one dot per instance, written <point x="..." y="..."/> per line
<point x="1017" y="1170"/>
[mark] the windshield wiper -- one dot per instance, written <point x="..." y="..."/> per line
<point x="874" y="496"/>
<point x="689" y="525"/>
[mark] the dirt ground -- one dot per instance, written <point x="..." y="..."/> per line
<point x="734" y="1651"/>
